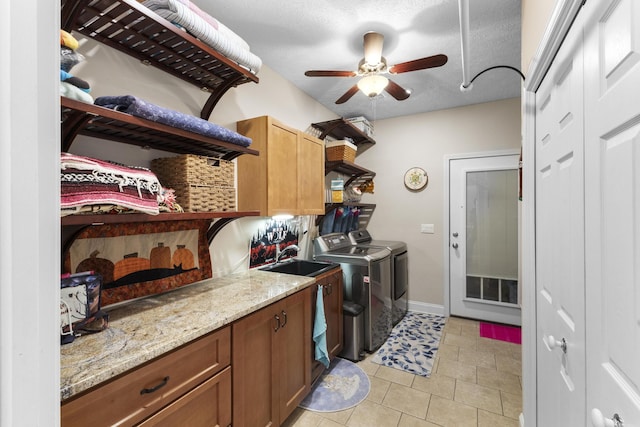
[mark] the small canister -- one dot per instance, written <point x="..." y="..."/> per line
<point x="337" y="187"/>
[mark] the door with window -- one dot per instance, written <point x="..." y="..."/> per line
<point x="483" y="240"/>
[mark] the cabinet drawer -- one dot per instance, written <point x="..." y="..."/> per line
<point x="207" y="405"/>
<point x="136" y="395"/>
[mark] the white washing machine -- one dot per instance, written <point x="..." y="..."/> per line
<point x="367" y="281"/>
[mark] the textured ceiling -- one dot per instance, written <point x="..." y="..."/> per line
<point x="294" y="36"/>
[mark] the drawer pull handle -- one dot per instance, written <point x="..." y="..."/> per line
<point x="277" y="323"/>
<point x="284" y="316"/>
<point x="330" y="289"/>
<point x="163" y="383"/>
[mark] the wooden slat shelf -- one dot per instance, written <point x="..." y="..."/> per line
<point x="72" y="224"/>
<point x="366" y="210"/>
<point x="341" y="128"/>
<point x="359" y="175"/>
<point x="104" y="123"/>
<point x="98" y="219"/>
<point x="135" y="30"/>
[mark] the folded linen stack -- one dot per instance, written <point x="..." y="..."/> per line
<point x="139" y="107"/>
<point x="207" y="29"/>
<point x="92" y="185"/>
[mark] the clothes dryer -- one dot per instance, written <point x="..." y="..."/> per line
<point x="367" y="281"/>
<point x="399" y="270"/>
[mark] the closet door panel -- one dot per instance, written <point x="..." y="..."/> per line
<point x="612" y="197"/>
<point x="560" y="238"/>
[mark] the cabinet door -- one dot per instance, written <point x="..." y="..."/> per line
<point x="333" y="313"/>
<point x="332" y="302"/>
<point x="207" y="405"/>
<point x="294" y="351"/>
<point x="282" y="170"/>
<point x="255" y="399"/>
<point x="268" y="182"/>
<point x="310" y="175"/>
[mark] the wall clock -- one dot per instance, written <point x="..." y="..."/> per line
<point x="416" y="179"/>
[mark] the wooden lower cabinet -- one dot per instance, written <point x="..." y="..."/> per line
<point x="271" y="359"/>
<point x="331" y="283"/>
<point x="180" y="378"/>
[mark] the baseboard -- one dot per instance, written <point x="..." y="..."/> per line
<point x="521" y="418"/>
<point x="423" y="307"/>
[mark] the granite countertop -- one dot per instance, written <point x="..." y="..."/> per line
<point x="147" y="328"/>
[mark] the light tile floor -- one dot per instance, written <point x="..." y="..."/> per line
<point x="475" y="382"/>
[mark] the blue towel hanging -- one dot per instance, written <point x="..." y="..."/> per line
<point x="320" y="331"/>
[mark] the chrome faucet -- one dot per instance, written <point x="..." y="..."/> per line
<point x="280" y="253"/>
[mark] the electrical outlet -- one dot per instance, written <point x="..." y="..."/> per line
<point x="427" y="228"/>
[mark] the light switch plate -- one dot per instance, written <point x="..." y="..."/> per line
<point x="427" y="228"/>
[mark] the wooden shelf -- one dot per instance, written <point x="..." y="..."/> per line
<point x="366" y="210"/>
<point x="104" y="123"/>
<point x="98" y="219"/>
<point x="135" y="30"/>
<point x="72" y="224"/>
<point x="341" y="128"/>
<point x="359" y="175"/>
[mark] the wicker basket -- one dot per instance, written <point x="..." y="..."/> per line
<point x="194" y="170"/>
<point x="340" y="151"/>
<point x="205" y="198"/>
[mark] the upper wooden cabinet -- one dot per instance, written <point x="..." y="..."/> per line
<point x="288" y="175"/>
<point x="310" y="175"/>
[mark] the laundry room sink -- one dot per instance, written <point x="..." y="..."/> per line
<point x="300" y="267"/>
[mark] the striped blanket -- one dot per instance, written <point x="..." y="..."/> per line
<point x="86" y="182"/>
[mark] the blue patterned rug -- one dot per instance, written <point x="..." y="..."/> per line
<point x="413" y="344"/>
<point x="340" y="387"/>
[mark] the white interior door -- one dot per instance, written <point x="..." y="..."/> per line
<point x="483" y="241"/>
<point x="559" y="140"/>
<point x="612" y="221"/>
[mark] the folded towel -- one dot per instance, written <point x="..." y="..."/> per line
<point x="70" y="91"/>
<point x="138" y="107"/>
<point x="320" y="331"/>
<point x="179" y="14"/>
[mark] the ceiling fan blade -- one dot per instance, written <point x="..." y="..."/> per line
<point x="373" y="48"/>
<point x="347" y="95"/>
<point x="397" y="91"/>
<point x="329" y="73"/>
<point x="419" y="64"/>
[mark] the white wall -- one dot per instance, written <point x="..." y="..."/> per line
<point x="29" y="218"/>
<point x="535" y="17"/>
<point x="424" y="140"/>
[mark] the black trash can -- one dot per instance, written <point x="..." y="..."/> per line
<point x="353" y="322"/>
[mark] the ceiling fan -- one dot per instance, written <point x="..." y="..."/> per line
<point x="372" y="67"/>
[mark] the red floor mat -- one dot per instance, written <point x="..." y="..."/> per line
<point x="501" y="332"/>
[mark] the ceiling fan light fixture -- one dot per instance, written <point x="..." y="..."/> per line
<point x="373" y="85"/>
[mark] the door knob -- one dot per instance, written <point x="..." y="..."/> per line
<point x="554" y="343"/>
<point x="454" y="246"/>
<point x="455" y="234"/>
<point x="598" y="420"/>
